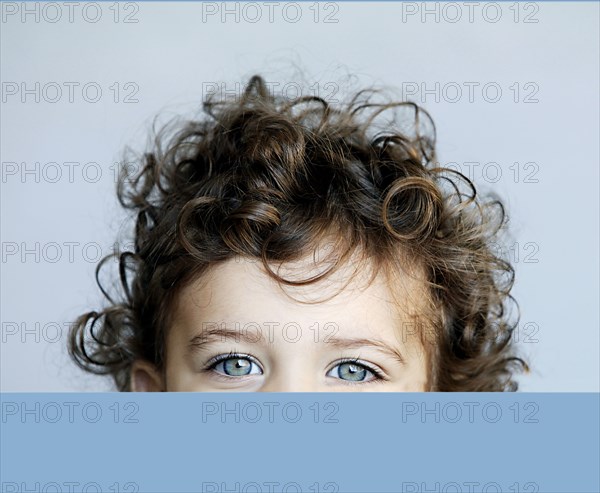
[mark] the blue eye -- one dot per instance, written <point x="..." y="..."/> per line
<point x="237" y="366"/>
<point x="352" y="372"/>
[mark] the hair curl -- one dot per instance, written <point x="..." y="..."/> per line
<point x="266" y="177"/>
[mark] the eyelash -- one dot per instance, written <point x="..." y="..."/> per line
<point x="379" y="376"/>
<point x="214" y="361"/>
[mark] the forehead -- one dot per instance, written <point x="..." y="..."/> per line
<point x="240" y="290"/>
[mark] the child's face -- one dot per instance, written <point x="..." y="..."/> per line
<point x="279" y="344"/>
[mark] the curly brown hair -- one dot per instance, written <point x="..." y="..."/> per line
<point x="266" y="177"/>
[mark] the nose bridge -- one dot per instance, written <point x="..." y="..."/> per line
<point x="293" y="360"/>
<point x="292" y="377"/>
<point x="288" y="386"/>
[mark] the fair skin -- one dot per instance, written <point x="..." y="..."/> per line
<point x="235" y="330"/>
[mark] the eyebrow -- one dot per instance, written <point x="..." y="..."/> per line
<point x="252" y="336"/>
<point x="222" y="334"/>
<point x="358" y="343"/>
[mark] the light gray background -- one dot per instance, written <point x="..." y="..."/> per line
<point x="172" y="51"/>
